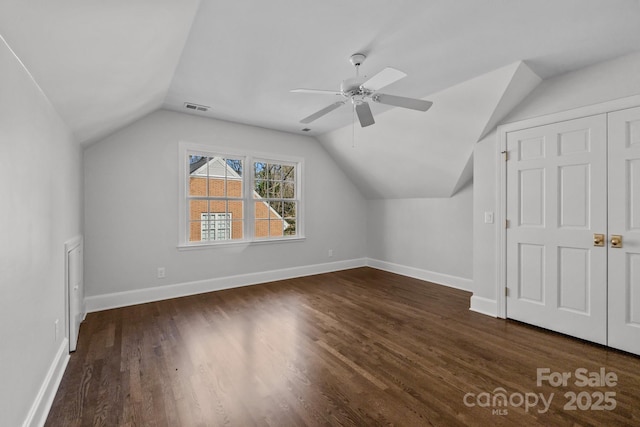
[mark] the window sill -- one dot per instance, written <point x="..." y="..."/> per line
<point x="231" y="244"/>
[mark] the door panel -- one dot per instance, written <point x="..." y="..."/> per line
<point x="532" y="195"/>
<point x="633" y="264"/>
<point x="574" y="280"/>
<point x="531" y="277"/>
<point x="556" y="201"/>
<point x="624" y="220"/>
<point x="634" y="199"/>
<point x="574" y="196"/>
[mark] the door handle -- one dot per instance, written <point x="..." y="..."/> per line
<point x="616" y="241"/>
<point x="598" y="240"/>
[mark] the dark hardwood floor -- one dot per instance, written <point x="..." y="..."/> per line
<point x="360" y="347"/>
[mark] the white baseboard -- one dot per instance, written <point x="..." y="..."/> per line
<point x="484" y="306"/>
<point x="37" y="415"/>
<point x="417" y="273"/>
<point x="140" y="296"/>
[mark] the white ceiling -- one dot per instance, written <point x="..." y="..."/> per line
<point x="106" y="63"/>
<point x="243" y="57"/>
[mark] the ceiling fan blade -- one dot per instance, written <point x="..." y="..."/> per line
<point x="325" y="110"/>
<point x="316" y="91"/>
<point x="401" y="101"/>
<point x="383" y="78"/>
<point x="364" y="114"/>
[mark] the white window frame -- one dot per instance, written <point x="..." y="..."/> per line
<point x="248" y="158"/>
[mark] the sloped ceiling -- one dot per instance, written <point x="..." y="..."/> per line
<point x="243" y="57"/>
<point x="409" y="154"/>
<point x="104" y="64"/>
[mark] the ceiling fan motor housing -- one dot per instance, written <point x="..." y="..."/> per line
<point x="352" y="86"/>
<point x="357" y="59"/>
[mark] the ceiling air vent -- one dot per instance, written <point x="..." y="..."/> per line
<point x="196" y="107"/>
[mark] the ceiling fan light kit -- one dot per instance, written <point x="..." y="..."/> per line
<point x="357" y="91"/>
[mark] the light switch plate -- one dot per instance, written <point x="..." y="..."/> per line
<point x="488" y="217"/>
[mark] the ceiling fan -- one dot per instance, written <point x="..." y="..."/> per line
<point x="358" y="91"/>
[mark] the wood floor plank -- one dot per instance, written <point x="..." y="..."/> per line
<point x="360" y="347"/>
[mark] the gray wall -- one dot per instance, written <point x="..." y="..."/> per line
<point x="40" y="189"/>
<point x="131" y="197"/>
<point x="432" y="234"/>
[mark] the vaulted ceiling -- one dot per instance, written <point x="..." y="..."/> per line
<point x="104" y="64"/>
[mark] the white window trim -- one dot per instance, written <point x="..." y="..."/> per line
<point x="248" y="158"/>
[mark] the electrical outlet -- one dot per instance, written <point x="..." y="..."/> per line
<point x="55" y="330"/>
<point x="330" y="254"/>
<point x="161" y="273"/>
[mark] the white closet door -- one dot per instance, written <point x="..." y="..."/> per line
<point x="556" y="201"/>
<point x="624" y="220"/>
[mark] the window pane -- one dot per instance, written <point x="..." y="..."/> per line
<point x="261" y="228"/>
<point x="234" y="178"/>
<point x="262" y="210"/>
<point x="288" y="190"/>
<point x="197" y="185"/>
<point x="276" y="210"/>
<point x="216" y="187"/>
<point x="218" y="206"/>
<point x="260" y="188"/>
<point x="195" y="231"/>
<point x="290" y="227"/>
<point x="275" y="189"/>
<point x="234" y="188"/>
<point x="260" y="170"/>
<point x="196" y="207"/>
<point x="220" y="230"/>
<point x="235" y="168"/>
<point x="197" y="175"/>
<point x="237" y="229"/>
<point x="236" y="209"/>
<point x="289" y="173"/>
<point x="276" y="227"/>
<point x="289" y="210"/>
<point x="274" y="172"/>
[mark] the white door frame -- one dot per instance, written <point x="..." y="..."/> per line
<point x="501" y="233"/>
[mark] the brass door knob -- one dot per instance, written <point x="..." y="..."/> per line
<point x="598" y="240"/>
<point x="616" y="241"/>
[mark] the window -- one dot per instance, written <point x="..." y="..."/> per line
<point x="215" y="198"/>
<point x="275" y="188"/>
<point x="230" y="197"/>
